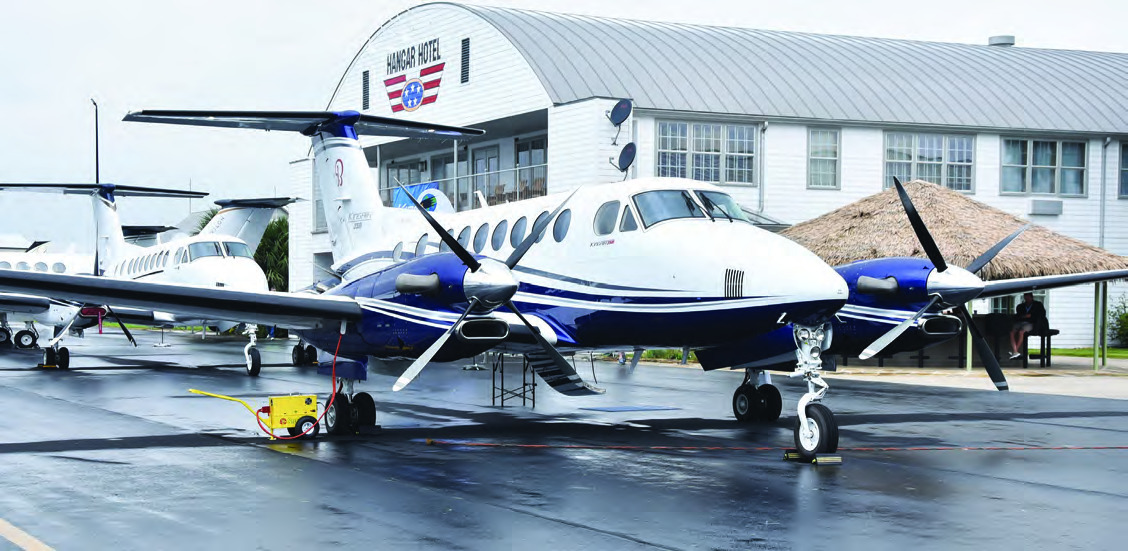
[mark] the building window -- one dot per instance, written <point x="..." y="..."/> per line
<point x="487" y="174"/>
<point x="405" y="173"/>
<point x="532" y="167"/>
<point x="718" y="153"/>
<point x="364" y="91"/>
<point x="1043" y="166"/>
<point x="1124" y="169"/>
<point x="822" y="158"/>
<point x="942" y="159"/>
<point x="456" y="189"/>
<point x="465" y="76"/>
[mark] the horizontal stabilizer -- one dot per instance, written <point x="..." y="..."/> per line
<point x="138" y="231"/>
<point x="91" y="189"/>
<point x="306" y="122"/>
<point x="261" y="203"/>
<point x="565" y="382"/>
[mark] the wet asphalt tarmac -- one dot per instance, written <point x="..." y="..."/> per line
<point x="117" y="454"/>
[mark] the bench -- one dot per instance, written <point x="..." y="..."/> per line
<point x="1045" y="337"/>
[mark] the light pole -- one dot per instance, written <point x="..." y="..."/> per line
<point x="96" y="180"/>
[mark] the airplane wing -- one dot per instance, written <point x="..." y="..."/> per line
<point x="295" y="311"/>
<point x="23" y="304"/>
<point x="1004" y="287"/>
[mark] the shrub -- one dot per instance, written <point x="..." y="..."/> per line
<point x="1118" y="322"/>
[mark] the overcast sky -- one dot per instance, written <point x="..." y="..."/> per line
<point x="287" y="54"/>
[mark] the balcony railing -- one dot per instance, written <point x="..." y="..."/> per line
<point x="498" y="186"/>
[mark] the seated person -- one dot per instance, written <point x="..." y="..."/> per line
<point x="1027" y="316"/>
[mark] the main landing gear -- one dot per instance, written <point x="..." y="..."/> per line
<point x="349" y="413"/>
<point x="303" y="354"/>
<point x="760" y="402"/>
<point x="26" y="338"/>
<point x="251" y="352"/>
<point x="56" y="356"/>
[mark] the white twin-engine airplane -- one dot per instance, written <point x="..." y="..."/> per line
<point x="220" y="256"/>
<point x="647" y="263"/>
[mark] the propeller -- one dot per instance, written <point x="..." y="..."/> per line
<point x="128" y="335"/>
<point x="955" y="289"/>
<point x="495" y="288"/>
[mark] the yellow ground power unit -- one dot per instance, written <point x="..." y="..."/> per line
<point x="296" y="413"/>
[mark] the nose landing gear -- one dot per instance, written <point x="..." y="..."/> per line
<point x="251" y="352"/>
<point x="816" y="430"/>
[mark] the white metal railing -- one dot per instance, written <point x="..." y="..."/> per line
<point x="498" y="186"/>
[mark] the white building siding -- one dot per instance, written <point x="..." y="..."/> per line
<point x="579" y="145"/>
<point x="301" y="220"/>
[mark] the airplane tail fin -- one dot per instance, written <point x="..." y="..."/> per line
<point x="245" y="219"/>
<point x="350" y="196"/>
<point x="109" y="237"/>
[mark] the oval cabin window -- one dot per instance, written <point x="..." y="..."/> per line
<point x="499" y="235"/>
<point x="605" y="218"/>
<point x="480" y="237"/>
<point x="560" y="228"/>
<point x="518" y="234"/>
<point x="421" y="246"/>
<point x="542" y="219"/>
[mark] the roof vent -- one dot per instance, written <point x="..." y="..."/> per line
<point x="1001" y="40"/>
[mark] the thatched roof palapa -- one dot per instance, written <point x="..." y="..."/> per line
<point x="877" y="227"/>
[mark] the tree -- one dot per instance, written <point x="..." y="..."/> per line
<point x="273" y="254"/>
<point x="205" y="219"/>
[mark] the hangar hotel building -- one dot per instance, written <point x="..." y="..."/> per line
<point x="793" y="125"/>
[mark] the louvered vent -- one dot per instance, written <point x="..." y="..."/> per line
<point x="465" y="61"/>
<point x="734" y="283"/>
<point x="364" y="91"/>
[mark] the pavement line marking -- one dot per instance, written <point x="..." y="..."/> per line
<point x="22" y="539"/>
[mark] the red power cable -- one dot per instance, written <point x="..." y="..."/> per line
<point x="332" y="396"/>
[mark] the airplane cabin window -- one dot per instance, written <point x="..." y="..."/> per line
<point x="721" y="206"/>
<point x="237" y="249"/>
<point x="464" y="237"/>
<point x="204" y="249"/>
<point x="397" y="252"/>
<point x="132" y="264"/>
<point x="542" y="220"/>
<point x="5" y="265"/>
<point x="499" y="234"/>
<point x="480" y="237"/>
<point x="443" y="247"/>
<point x="518" y="234"/>
<point x="23" y="266"/>
<point x="421" y="246"/>
<point x="628" y="223"/>
<point x="659" y="206"/>
<point x="560" y="228"/>
<point x="605" y="217"/>
<point x="40" y="267"/>
<point x="58" y="267"/>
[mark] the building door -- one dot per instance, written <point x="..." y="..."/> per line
<point x="532" y="170"/>
<point x="405" y="173"/>
<point x="487" y="178"/>
<point x="442" y="171"/>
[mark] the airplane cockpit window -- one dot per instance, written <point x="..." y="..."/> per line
<point x="464" y="237"/>
<point x="480" y="237"/>
<point x="628" y="223"/>
<point x="23" y="266"/>
<point x="605" y="217"/>
<point x="421" y="246"/>
<point x="201" y="250"/>
<point x="235" y="248"/>
<point x="560" y="228"/>
<point x="518" y="234"/>
<point x="5" y="265"/>
<point x="40" y="266"/>
<point x="397" y="252"/>
<point x="721" y="206"/>
<point x="659" y="206"/>
<point x="499" y="235"/>
<point x="540" y="220"/>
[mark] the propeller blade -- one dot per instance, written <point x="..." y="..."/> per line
<point x="425" y="358"/>
<point x="892" y="334"/>
<point x="455" y="247"/>
<point x="921" y="230"/>
<point x="561" y="363"/>
<point x="538" y="229"/>
<point x="986" y="257"/>
<point x="989" y="361"/>
<point x="128" y="335"/>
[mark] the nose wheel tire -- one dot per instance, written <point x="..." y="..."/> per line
<point x="254" y="362"/>
<point x="306" y="423"/>
<point x="338" y="415"/>
<point x="25" y="339"/>
<point x="820" y="435"/>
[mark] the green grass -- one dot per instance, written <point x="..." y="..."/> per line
<point x="1118" y="353"/>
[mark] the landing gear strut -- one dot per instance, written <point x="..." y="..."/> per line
<point x="251" y="352"/>
<point x="816" y="430"/>
<point x="759" y="401"/>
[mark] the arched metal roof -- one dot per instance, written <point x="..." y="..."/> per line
<point x="788" y="75"/>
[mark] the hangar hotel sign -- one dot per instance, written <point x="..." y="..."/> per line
<point x="418" y="70"/>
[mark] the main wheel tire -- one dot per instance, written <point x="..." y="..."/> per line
<point x="365" y="408"/>
<point x="338" y="416"/>
<point x="254" y="362"/>
<point x="5" y="337"/>
<point x="304" y="424"/>
<point x="297" y="355"/>
<point x="25" y="339"/>
<point x="310" y="354"/>
<point x="773" y="402"/>
<point x="50" y="358"/>
<point x="822" y="433"/>
<point x="62" y="358"/>
<point x="747" y="404"/>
